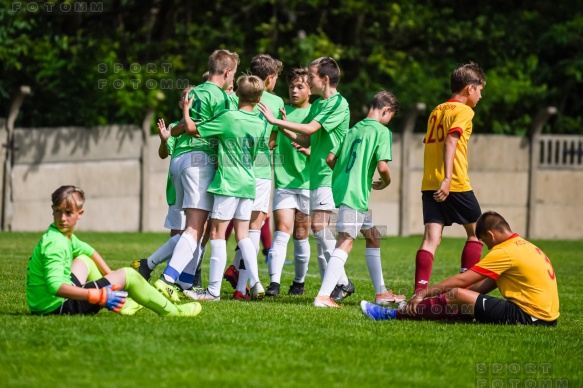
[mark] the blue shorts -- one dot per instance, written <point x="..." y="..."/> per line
<point x="462" y="208"/>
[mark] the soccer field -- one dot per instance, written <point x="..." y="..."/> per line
<point x="286" y="341"/>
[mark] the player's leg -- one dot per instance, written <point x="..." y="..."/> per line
<point x="334" y="270"/>
<point x="425" y="254"/>
<point x="266" y="239"/>
<point x="472" y="252"/>
<point x="301" y="251"/>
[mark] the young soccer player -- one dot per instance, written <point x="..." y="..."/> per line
<point x="446" y="192"/>
<point x="291" y="197"/>
<point x="67" y="276"/>
<point x="366" y="147"/>
<point x="267" y="69"/>
<point x="327" y="124"/>
<point x="239" y="133"/>
<point x="521" y="271"/>
<point x="192" y="168"/>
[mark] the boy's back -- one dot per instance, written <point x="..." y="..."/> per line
<point x="238" y="132"/>
<point x="262" y="167"/>
<point x="367" y="143"/>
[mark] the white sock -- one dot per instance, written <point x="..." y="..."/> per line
<point x="164" y="252"/>
<point x="322" y="263"/>
<point x="277" y="255"/>
<point x="301" y="259"/>
<point x="181" y="256"/>
<point x="375" y="269"/>
<point x="250" y="259"/>
<point x="326" y="242"/>
<point x="333" y="272"/>
<point x="243" y="274"/>
<point x="217" y="264"/>
<point x="187" y="276"/>
<point x="255" y="236"/>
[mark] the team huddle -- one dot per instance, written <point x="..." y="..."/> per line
<point x="231" y="148"/>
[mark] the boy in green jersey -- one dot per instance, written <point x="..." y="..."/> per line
<point x="366" y="147"/>
<point x="192" y="168"/>
<point x="239" y="133"/>
<point x="267" y="69"/>
<point x="67" y="276"/>
<point x="291" y="196"/>
<point x="328" y="122"/>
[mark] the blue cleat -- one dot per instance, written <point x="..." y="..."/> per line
<point x="377" y="313"/>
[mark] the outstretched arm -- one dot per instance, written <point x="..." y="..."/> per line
<point x="188" y="122"/>
<point x="304" y="129"/>
<point x="164" y="134"/>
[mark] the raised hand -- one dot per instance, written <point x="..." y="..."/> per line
<point x="162" y="130"/>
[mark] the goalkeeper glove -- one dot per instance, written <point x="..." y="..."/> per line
<point x="108" y="297"/>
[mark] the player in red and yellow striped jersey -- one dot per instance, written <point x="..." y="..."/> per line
<point x="520" y="270"/>
<point x="446" y="191"/>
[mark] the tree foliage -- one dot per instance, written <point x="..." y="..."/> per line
<point x="112" y="60"/>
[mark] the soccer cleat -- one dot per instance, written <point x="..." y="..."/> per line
<point x="296" y="289"/>
<point x="201" y="295"/>
<point x="238" y="295"/>
<point x="167" y="289"/>
<point x="342" y="291"/>
<point x="377" y="313"/>
<point x="232" y="275"/>
<point x="141" y="265"/>
<point x="189" y="309"/>
<point x="325" y="301"/>
<point x="273" y="289"/>
<point x="388" y="297"/>
<point x="256" y="292"/>
<point x="130" y="307"/>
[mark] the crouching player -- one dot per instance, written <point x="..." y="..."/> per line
<point x="66" y="275"/>
<point x="521" y="271"/>
<point x="366" y="147"/>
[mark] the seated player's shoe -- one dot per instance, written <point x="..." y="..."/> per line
<point x="273" y="289"/>
<point x="388" y="297"/>
<point x="189" y="309"/>
<point x="141" y="265"/>
<point x="257" y="292"/>
<point x="377" y="313"/>
<point x="341" y="291"/>
<point x="238" y="295"/>
<point x="325" y="301"/>
<point x="201" y="295"/>
<point x="167" y="289"/>
<point x="232" y="275"/>
<point x="296" y="289"/>
<point x="130" y="307"/>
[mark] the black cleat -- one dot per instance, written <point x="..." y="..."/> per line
<point x="141" y="265"/>
<point x="296" y="289"/>
<point x="272" y="290"/>
<point x="341" y="291"/>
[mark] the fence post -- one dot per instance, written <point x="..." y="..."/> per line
<point x="534" y="132"/>
<point x="15" y="105"/>
<point x="145" y="171"/>
<point x="409" y="126"/>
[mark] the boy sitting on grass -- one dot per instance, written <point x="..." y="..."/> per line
<point x="67" y="276"/>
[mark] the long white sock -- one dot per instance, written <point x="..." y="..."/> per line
<point x="217" y="264"/>
<point x="375" y="268"/>
<point x="301" y="259"/>
<point x="249" y="254"/>
<point x="277" y="255"/>
<point x="243" y="274"/>
<point x="333" y="272"/>
<point x="255" y="237"/>
<point x="182" y="255"/>
<point x="186" y="278"/>
<point x="326" y="240"/>
<point x="164" y="252"/>
<point x="322" y="262"/>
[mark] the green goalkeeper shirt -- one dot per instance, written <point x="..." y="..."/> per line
<point x="50" y="267"/>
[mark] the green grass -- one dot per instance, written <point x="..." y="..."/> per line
<point x="285" y="341"/>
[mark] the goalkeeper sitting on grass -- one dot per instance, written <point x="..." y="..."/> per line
<point x="67" y="276"/>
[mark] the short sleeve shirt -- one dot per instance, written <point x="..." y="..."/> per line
<point x="262" y="166"/>
<point x="50" y="267"/>
<point x="238" y="133"/>
<point x="365" y="144"/>
<point x="291" y="168"/>
<point x="333" y="114"/>
<point x="524" y="275"/>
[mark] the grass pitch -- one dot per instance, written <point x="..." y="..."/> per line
<point x="285" y="341"/>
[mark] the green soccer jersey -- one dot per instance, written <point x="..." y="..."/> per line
<point x="334" y="117"/>
<point x="290" y="167"/>
<point x="50" y="267"/>
<point x="234" y="101"/>
<point x="262" y="166"/>
<point x="237" y="132"/>
<point x="209" y="101"/>
<point x="367" y="143"/>
<point x="170" y="190"/>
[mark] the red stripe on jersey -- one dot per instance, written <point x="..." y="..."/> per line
<point x="456" y="129"/>
<point x="454" y="100"/>
<point x="485" y="272"/>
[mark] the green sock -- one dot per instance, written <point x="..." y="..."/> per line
<point x="142" y="292"/>
<point x="93" y="272"/>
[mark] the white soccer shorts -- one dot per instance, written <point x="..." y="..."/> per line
<point x="322" y="199"/>
<point x="292" y="199"/>
<point x="262" y="195"/>
<point x="175" y="219"/>
<point x="352" y="221"/>
<point x="226" y="208"/>
<point x="191" y="175"/>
